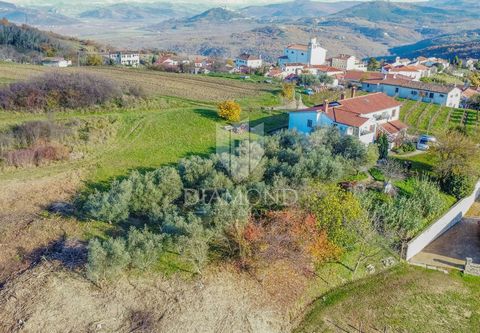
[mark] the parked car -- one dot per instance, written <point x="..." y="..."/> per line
<point x="308" y="92"/>
<point x="425" y="141"/>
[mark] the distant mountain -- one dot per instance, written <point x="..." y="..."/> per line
<point x="216" y="15"/>
<point x="464" y="44"/>
<point x="396" y="12"/>
<point x="208" y="18"/>
<point x="34" y="16"/>
<point x="296" y="9"/>
<point x="140" y="11"/>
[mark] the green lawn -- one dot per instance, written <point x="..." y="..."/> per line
<point x="154" y="133"/>
<point x="403" y="299"/>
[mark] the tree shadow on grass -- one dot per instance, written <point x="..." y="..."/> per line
<point x="208" y="113"/>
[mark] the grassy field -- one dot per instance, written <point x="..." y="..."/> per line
<point x="432" y="118"/>
<point x="155" y="132"/>
<point x="404" y="299"/>
<point x="193" y="87"/>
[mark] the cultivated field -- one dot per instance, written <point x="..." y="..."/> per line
<point x="202" y="88"/>
<point x="433" y="118"/>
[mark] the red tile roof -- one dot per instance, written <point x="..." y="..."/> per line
<point x="349" y="111"/>
<point x="369" y="103"/>
<point x="344" y="117"/>
<point x="325" y="68"/>
<point x="411" y="68"/>
<point x="301" y="47"/>
<point x="469" y="93"/>
<point x="425" y="86"/>
<point x="359" y="75"/>
<point x="393" y="127"/>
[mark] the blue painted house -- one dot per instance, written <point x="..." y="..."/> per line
<point x="363" y="117"/>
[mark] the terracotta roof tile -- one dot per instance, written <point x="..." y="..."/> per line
<point x="369" y="103"/>
<point x="344" y="117"/>
<point x="393" y="127"/>
<point x="301" y="47"/>
<point x="444" y="89"/>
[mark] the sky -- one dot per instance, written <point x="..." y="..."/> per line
<point x="206" y="2"/>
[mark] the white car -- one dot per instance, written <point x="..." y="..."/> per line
<point x="424" y="142"/>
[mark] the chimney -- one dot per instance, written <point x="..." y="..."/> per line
<point x="395" y="75"/>
<point x="385" y="76"/>
<point x="342" y="96"/>
<point x="354" y="91"/>
<point x="325" y="105"/>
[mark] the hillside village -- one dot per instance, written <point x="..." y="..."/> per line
<point x="148" y="190"/>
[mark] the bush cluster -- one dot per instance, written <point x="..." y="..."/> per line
<point x="399" y="218"/>
<point x="139" y="250"/>
<point x="55" y="90"/>
<point x="215" y="216"/>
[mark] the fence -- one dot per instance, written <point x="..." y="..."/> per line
<point x="452" y="217"/>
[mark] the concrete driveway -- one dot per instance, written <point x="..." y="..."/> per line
<point x="451" y="248"/>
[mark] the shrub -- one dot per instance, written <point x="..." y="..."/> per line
<point x="458" y="185"/>
<point x="59" y="90"/>
<point x="148" y="194"/>
<point x="32" y="132"/>
<point x="36" y="155"/>
<point x="144" y="248"/>
<point x="229" y="110"/>
<point x="429" y="197"/>
<point x="194" y="244"/>
<point x="338" y="212"/>
<point x="106" y="260"/>
<point x="112" y="205"/>
<point x="383" y="146"/>
<point x="288" y="91"/>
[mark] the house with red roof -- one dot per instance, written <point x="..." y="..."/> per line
<point x="361" y="116"/>
<point x="447" y="95"/>
<point x="415" y="72"/>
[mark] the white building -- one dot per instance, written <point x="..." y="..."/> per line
<point x="125" y="58"/>
<point x="419" y="91"/>
<point x="311" y="54"/>
<point x="248" y="60"/>
<point x="363" y="117"/>
<point x="56" y="62"/>
<point x="415" y="72"/>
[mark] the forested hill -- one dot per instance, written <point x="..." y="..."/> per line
<point x="23" y="43"/>
<point x="464" y="44"/>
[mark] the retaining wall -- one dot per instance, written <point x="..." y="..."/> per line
<point x="452" y="217"/>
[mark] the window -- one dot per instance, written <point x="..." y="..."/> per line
<point x="310" y="123"/>
<point x="431" y="95"/>
<point x="442" y="95"/>
<point x="397" y="90"/>
<point x="414" y="92"/>
<point x="394" y="113"/>
<point x="302" y="53"/>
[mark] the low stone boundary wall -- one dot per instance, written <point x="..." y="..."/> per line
<point x="452" y="217"/>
